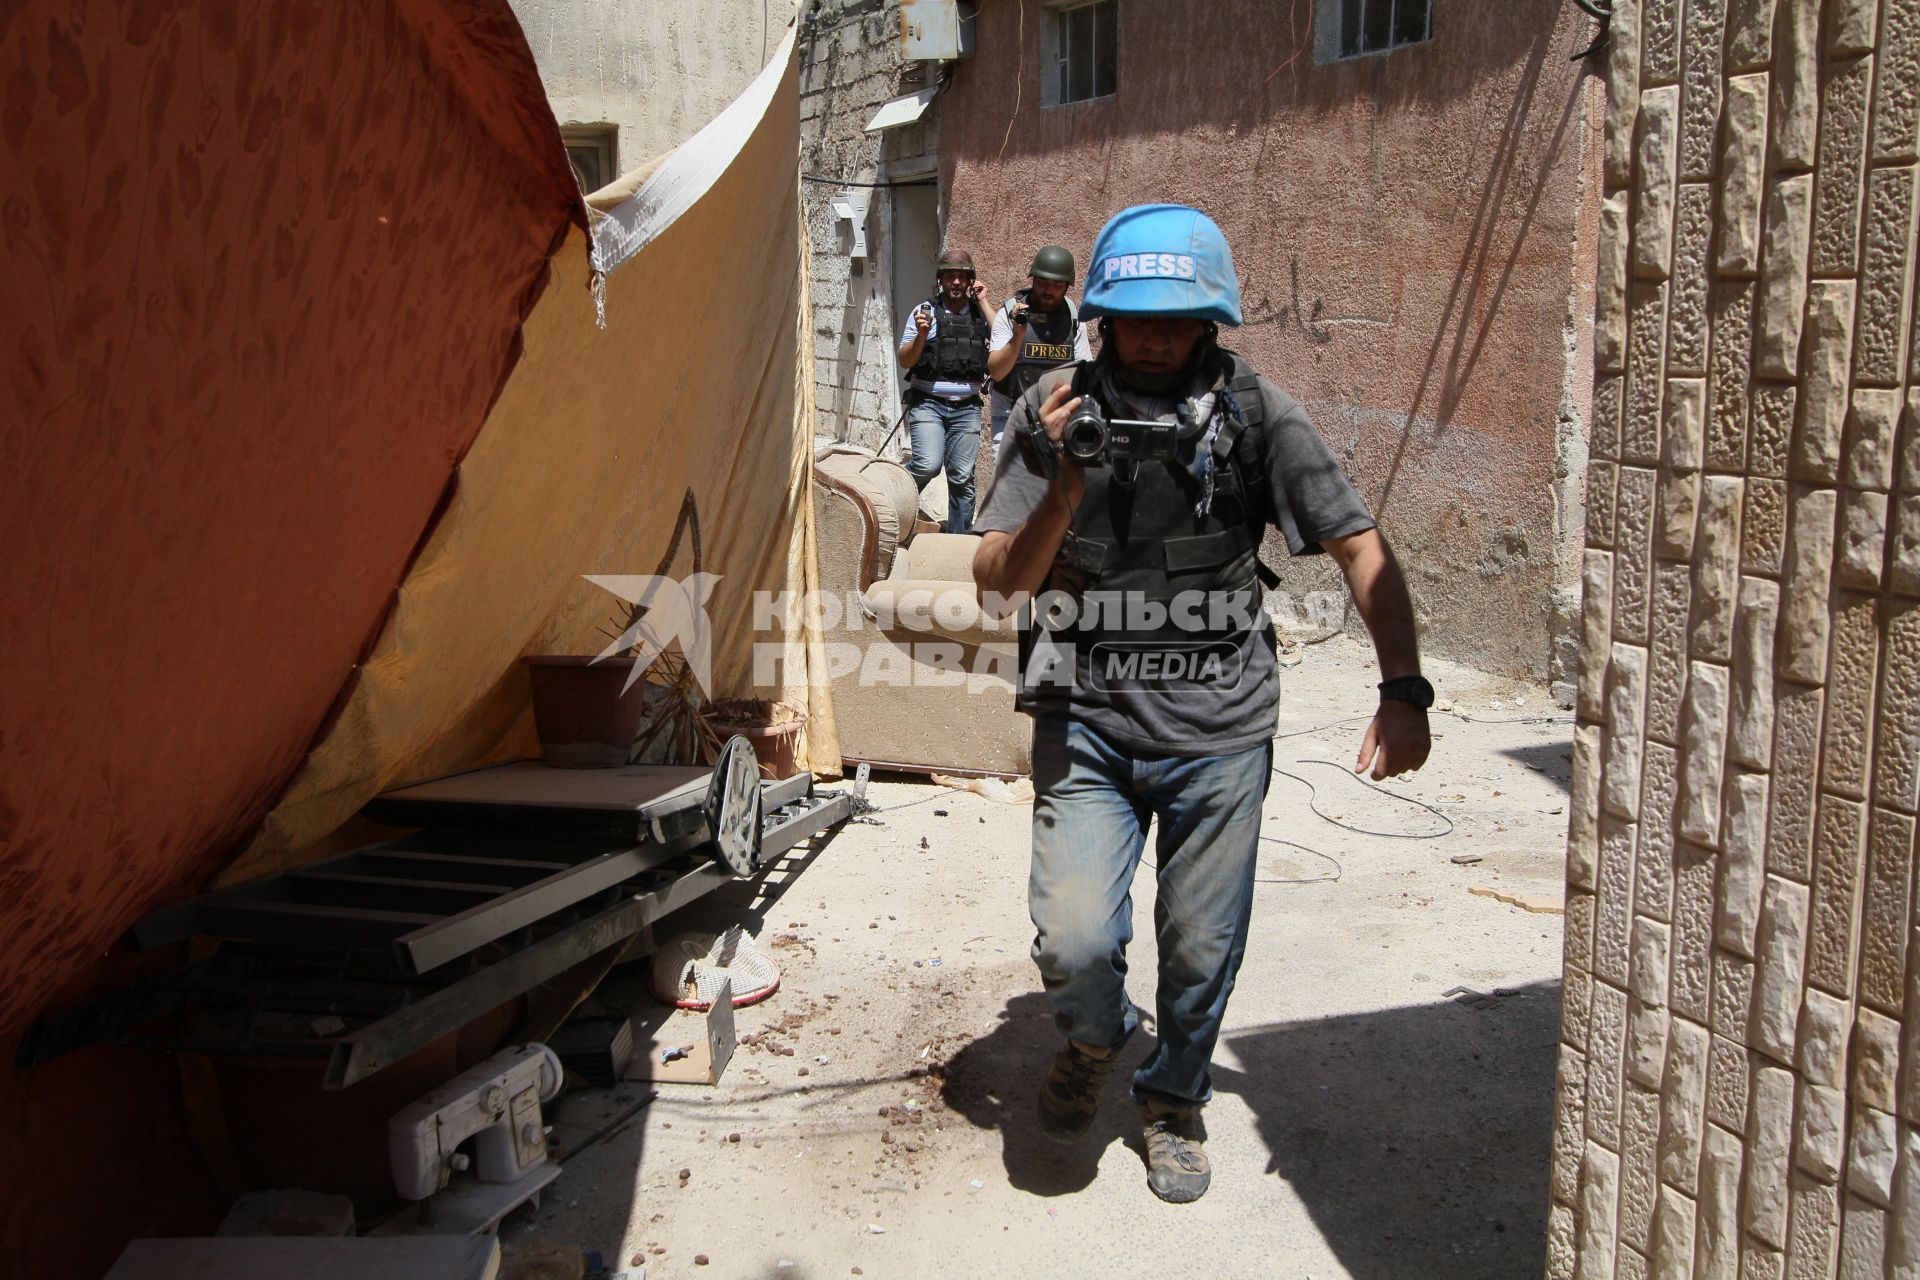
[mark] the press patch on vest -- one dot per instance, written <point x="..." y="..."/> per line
<point x="1154" y="266"/>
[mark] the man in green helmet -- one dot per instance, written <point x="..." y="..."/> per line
<point x="1035" y="330"/>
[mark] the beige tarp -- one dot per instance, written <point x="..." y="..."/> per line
<point x="699" y="384"/>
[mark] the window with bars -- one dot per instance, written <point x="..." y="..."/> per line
<point x="1351" y="28"/>
<point x="1083" y="52"/>
<point x="590" y="149"/>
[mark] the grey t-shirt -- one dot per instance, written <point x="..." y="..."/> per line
<point x="1310" y="498"/>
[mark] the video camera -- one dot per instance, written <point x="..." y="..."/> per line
<point x="1093" y="439"/>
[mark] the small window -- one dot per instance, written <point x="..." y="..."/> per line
<point x="1083" y="51"/>
<point x="1350" y="28"/>
<point x="590" y="151"/>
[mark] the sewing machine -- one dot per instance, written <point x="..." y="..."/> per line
<point x="497" y="1105"/>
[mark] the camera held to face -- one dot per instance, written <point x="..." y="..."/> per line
<point x="1093" y="439"/>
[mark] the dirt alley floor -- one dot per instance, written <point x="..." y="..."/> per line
<point x="1383" y="1088"/>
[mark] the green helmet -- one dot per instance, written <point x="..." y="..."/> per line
<point x="1053" y="263"/>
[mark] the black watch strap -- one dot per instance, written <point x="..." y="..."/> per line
<point x="1414" y="689"/>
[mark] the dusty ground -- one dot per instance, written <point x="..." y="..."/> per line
<point x="1384" y="1083"/>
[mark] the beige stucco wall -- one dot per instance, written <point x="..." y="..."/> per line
<point x="1739" y="1073"/>
<point x="657" y="71"/>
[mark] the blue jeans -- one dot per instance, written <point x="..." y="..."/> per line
<point x="1092" y="802"/>
<point x="949" y="430"/>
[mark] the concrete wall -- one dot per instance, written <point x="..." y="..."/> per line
<point x="850" y="65"/>
<point x="657" y="71"/>
<point x="1740" y="981"/>
<point x="1413" y="254"/>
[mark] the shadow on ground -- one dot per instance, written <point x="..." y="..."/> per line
<point x="1417" y="1138"/>
<point x="1553" y="760"/>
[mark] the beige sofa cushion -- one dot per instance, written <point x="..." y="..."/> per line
<point x="888" y="489"/>
<point x="933" y="609"/>
<point x="944" y="557"/>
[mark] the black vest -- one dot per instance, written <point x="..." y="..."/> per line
<point x="1145" y="541"/>
<point x="1048" y="345"/>
<point x="957" y="352"/>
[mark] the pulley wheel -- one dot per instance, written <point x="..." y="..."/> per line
<point x="733" y="807"/>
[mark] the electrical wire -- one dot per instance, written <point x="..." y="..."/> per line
<point x="877" y="186"/>
<point x="1019" y="82"/>
<point x="1313" y="803"/>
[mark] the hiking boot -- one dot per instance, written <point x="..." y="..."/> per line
<point x="1070" y="1095"/>
<point x="1177" y="1167"/>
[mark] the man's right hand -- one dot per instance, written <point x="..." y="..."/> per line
<point x="922" y="322"/>
<point x="1059" y="406"/>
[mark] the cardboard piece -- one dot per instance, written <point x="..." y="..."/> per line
<point x="682" y="1046"/>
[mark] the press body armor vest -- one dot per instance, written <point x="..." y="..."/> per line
<point x="1144" y="541"/>
<point x="957" y="351"/>
<point x="1048" y="344"/>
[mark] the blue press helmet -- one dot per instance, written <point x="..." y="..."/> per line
<point x="1162" y="260"/>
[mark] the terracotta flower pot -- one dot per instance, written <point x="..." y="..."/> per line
<point x="772" y="727"/>
<point x="584" y="719"/>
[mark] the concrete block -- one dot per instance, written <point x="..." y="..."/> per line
<point x="1569" y="1126"/>
<point x="1599" y="1213"/>
<point x="1749" y="34"/>
<point x="1613" y="902"/>
<point x="1903" y="1242"/>
<point x="1609" y="395"/>
<point x="1763" y="1203"/>
<point x="1826" y="357"/>
<point x="1813" y="1239"/>
<point x="1863" y="1242"/>
<point x="1853" y="669"/>
<point x="1639" y="1167"/>
<point x="1760" y="1262"/>
<point x="1602" y="482"/>
<point x="1843" y="157"/>
<point x="1689" y="985"/>
<point x="1909" y="1084"/>
<point x="1687" y="300"/>
<point x="1796" y="746"/>
<point x="1667" y="652"/>
<point x="1563" y="1243"/>
<point x="1623" y="93"/>
<point x="1605" y="1056"/>
<point x="1646" y="1051"/>
<point x="1853" y="26"/>
<point x="1683" y="1095"/>
<point x="1703" y="751"/>
<point x="1610" y="286"/>
<point x="1839" y="854"/>
<point x="1743" y="869"/>
<point x="1873" y="424"/>
<point x="1633" y="556"/>
<point x="1750" y="735"/>
<point x="1659" y="45"/>
<point x="1801" y="645"/>
<point x="1875" y="1058"/>
<point x="1633" y="1263"/>
<point x="1731" y="1014"/>
<point x="1863" y="539"/>
<point x="1795" y="105"/>
<point x="1717" y="1236"/>
<point x="1583" y="821"/>
<point x="1783" y="271"/>
<point x="1896" y="99"/>
<point x="1763" y="528"/>
<point x="1701" y="79"/>
<point x="1872" y="1151"/>
<point x="1579" y="930"/>
<point x="1729" y="354"/>
<point x="1651" y="941"/>
<point x="1897" y="742"/>
<point x="1782" y="944"/>
<point x="1885" y="915"/>
<point x="1576" y="1006"/>
<point x="1903" y="559"/>
<point x="1743" y="163"/>
<point x="1596" y="628"/>
<point x="1907" y="452"/>
<point x="1716" y="568"/>
<point x="1775" y="406"/>
<point x="1886" y="278"/>
<point x="1626" y="718"/>
<point x="1654" y="854"/>
<point x="1825" y="1021"/>
<point x="1646" y="371"/>
<point x="1672" y="1255"/>
<point x="1821" y="1132"/>
<point x="1677" y="513"/>
<point x="1729" y="1067"/>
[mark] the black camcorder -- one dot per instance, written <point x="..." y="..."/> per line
<point x="1092" y="439"/>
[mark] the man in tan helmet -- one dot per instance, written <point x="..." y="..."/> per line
<point x="944" y="350"/>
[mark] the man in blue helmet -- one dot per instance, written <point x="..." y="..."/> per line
<point x="1148" y="661"/>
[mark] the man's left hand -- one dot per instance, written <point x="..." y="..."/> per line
<point x="1397" y="741"/>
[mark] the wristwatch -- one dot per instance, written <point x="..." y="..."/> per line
<point x="1414" y="689"/>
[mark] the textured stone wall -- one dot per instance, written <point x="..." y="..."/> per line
<point x="1747" y="762"/>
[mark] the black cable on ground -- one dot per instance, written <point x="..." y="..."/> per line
<point x="1314" y="797"/>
